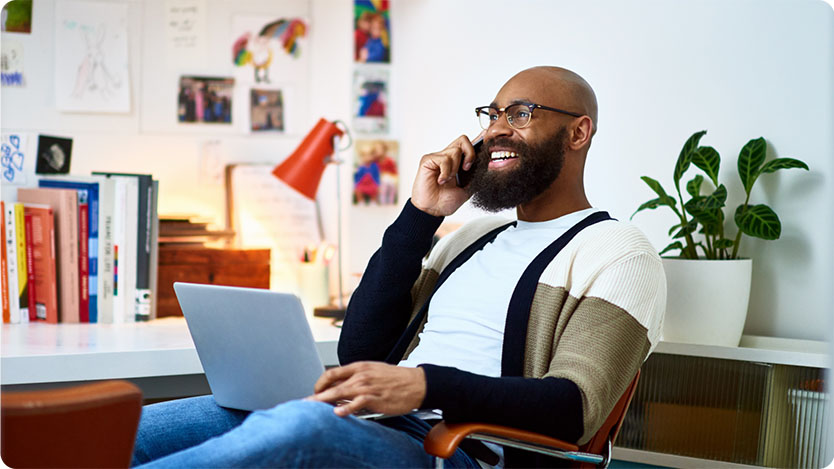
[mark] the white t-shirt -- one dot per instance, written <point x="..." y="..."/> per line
<point x="465" y="328"/>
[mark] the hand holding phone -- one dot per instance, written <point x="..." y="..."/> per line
<point x="463" y="177"/>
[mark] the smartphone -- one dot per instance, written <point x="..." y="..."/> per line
<point x="463" y="177"/>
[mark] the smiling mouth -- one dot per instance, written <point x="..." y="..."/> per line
<point x="502" y="155"/>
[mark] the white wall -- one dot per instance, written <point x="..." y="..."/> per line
<point x="661" y="70"/>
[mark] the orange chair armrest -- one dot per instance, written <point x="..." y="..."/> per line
<point x="444" y="438"/>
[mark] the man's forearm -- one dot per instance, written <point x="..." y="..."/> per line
<point x="552" y="406"/>
<point x="379" y="309"/>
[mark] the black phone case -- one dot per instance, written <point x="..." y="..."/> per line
<point x="463" y="177"/>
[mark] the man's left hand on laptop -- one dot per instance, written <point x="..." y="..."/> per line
<point x="376" y="386"/>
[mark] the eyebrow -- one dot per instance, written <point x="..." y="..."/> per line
<point x="515" y="101"/>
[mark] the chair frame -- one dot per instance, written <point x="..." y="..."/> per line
<point x="443" y="440"/>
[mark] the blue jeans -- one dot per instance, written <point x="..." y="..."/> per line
<point x="196" y="432"/>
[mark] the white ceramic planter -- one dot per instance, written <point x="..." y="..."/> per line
<point x="706" y="300"/>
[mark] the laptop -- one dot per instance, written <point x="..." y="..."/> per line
<point x="255" y="345"/>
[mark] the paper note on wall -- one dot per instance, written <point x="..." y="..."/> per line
<point x="11" y="63"/>
<point x="91" y="57"/>
<point x="14" y="150"/>
<point x="268" y="213"/>
<point x="185" y="27"/>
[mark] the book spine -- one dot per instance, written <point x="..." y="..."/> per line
<point x="83" y="263"/>
<point x="4" y="272"/>
<point x="34" y="311"/>
<point x="22" y="277"/>
<point x="93" y="257"/>
<point x="11" y="263"/>
<point x="143" y="255"/>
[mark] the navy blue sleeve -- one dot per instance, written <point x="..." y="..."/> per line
<point x="380" y="307"/>
<point x="551" y="406"/>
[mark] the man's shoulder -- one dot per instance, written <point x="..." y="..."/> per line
<point x="614" y="236"/>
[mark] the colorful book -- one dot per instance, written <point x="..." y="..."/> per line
<point x="40" y="231"/>
<point x="92" y="194"/>
<point x="4" y="269"/>
<point x="11" y="262"/>
<point x="144" y="205"/>
<point x="22" y="276"/>
<point x="31" y="287"/>
<point x="83" y="261"/>
<point x="125" y="236"/>
<point x="64" y="203"/>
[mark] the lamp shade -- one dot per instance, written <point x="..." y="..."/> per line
<point x="302" y="170"/>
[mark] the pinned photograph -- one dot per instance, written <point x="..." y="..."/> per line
<point x="205" y="99"/>
<point x="370" y="90"/>
<point x="267" y="110"/>
<point x="16" y="17"/>
<point x="371" y="32"/>
<point x="54" y="155"/>
<point x="376" y="174"/>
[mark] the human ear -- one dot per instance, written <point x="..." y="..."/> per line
<point x="581" y="132"/>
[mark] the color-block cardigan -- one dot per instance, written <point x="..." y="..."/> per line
<point x="597" y="313"/>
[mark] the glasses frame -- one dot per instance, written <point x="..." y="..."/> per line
<point x="530" y="106"/>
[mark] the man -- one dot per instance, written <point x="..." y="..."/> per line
<point x="522" y="330"/>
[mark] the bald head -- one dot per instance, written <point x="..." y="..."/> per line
<point x="565" y="89"/>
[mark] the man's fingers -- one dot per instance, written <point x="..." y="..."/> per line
<point x="352" y="407"/>
<point x="333" y="376"/>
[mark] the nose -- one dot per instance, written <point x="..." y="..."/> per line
<point x="500" y="127"/>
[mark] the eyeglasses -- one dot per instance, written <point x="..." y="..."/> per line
<point x="518" y="115"/>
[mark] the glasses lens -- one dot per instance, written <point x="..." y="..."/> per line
<point x="518" y="115"/>
<point x="485" y="116"/>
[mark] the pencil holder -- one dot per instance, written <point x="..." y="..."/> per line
<point x="313" y="284"/>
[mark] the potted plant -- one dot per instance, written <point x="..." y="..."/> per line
<point x="708" y="285"/>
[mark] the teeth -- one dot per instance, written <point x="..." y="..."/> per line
<point x="502" y="155"/>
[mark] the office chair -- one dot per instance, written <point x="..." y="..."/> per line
<point x="444" y="438"/>
<point x="91" y="425"/>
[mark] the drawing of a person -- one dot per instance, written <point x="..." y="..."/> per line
<point x="376" y="46"/>
<point x="361" y="33"/>
<point x="371" y="102"/>
<point x="387" y="173"/>
<point x="366" y="179"/>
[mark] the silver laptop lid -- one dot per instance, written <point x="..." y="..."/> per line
<point x="255" y="345"/>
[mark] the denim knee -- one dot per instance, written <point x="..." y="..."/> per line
<point x="303" y="420"/>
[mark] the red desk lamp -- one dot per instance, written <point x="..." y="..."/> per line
<point x="302" y="171"/>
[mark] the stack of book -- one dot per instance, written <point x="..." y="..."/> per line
<point x="81" y="249"/>
<point x="191" y="231"/>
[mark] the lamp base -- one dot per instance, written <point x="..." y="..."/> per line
<point x="329" y="311"/>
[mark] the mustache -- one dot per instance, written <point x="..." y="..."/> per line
<point x="505" y="142"/>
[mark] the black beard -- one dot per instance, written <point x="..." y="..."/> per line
<point x="539" y="165"/>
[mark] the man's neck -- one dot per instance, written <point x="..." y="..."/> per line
<point x="555" y="201"/>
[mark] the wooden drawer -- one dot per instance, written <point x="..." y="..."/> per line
<point x="232" y="267"/>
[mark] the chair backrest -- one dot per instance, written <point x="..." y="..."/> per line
<point x="91" y="425"/>
<point x="611" y="426"/>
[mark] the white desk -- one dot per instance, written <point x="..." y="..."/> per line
<point x="158" y="356"/>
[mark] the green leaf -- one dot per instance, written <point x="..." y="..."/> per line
<point x="693" y="187"/>
<point x="651" y="205"/>
<point x="782" y="163"/>
<point x="690" y="227"/>
<point x="685" y="156"/>
<point x="723" y="243"/>
<point x="675" y="245"/>
<point x="708" y="159"/>
<point x="749" y="161"/>
<point x="707" y="209"/>
<point x="759" y="221"/>
<point x="658" y="189"/>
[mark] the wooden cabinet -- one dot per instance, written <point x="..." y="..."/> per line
<point x="232" y="267"/>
